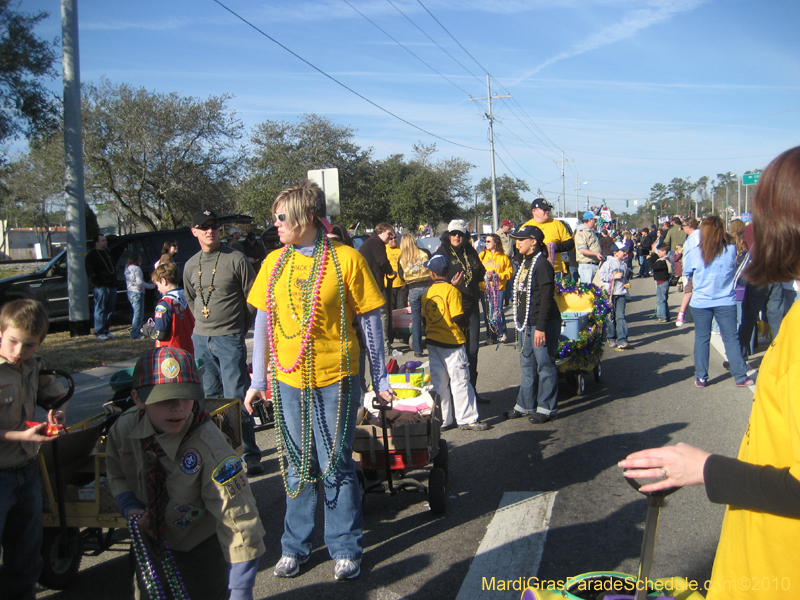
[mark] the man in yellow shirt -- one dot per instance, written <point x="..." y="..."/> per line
<point x="554" y="232"/>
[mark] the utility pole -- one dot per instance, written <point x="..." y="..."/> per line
<point x="489" y="98"/>
<point x="73" y="174"/>
<point x="564" y="184"/>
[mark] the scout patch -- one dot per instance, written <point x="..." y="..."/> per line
<point x="191" y="461"/>
<point x="170" y="368"/>
<point x="188" y="515"/>
<point x="227" y="470"/>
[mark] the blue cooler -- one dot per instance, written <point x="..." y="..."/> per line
<point x="572" y="324"/>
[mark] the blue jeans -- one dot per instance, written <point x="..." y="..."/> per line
<point x="587" y="271"/>
<point x="342" y="496"/>
<point x="726" y="318"/>
<point x="415" y="300"/>
<point x="225" y="376"/>
<point x="617" y="328"/>
<point x="538" y="391"/>
<point x="105" y="298"/>
<point x="20" y="531"/>
<point x="137" y="304"/>
<point x="662" y="295"/>
<point x="644" y="267"/>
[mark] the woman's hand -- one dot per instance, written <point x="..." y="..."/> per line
<point x="457" y="278"/>
<point x="676" y="466"/>
<point x="387" y="396"/>
<point x="251" y="396"/>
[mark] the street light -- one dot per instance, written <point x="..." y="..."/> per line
<point x="577" y="189"/>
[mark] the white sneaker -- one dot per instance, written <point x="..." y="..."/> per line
<point x="102" y="337"/>
<point x="502" y="338"/>
<point x="110" y="336"/>
<point x="347" y="569"/>
<point x="679" y="319"/>
<point x="288" y="566"/>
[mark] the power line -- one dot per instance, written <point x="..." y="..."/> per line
<point x="349" y="89"/>
<point x="387" y="34"/>
<point x="433" y="40"/>
<point x="485" y="70"/>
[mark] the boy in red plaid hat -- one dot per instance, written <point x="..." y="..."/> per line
<point x="170" y="464"/>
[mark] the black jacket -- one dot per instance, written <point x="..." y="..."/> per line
<point x="374" y="250"/>
<point x="470" y="293"/>
<point x="101" y="269"/>
<point x="543" y="307"/>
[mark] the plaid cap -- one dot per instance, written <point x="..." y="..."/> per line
<point x="201" y="216"/>
<point x="165" y="374"/>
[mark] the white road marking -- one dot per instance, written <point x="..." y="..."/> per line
<point x="512" y="547"/>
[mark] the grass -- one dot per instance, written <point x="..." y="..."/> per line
<point x="4" y="273"/>
<point x="75" y="354"/>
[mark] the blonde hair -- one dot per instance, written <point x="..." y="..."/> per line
<point x="409" y="251"/>
<point x="303" y="203"/>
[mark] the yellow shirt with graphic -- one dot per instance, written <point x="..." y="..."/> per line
<point x="440" y="304"/>
<point x="500" y="264"/>
<point x="555" y="232"/>
<point x="393" y="254"/>
<point x="361" y="295"/>
<point x="758" y="554"/>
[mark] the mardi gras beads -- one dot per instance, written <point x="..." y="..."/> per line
<point x="147" y="567"/>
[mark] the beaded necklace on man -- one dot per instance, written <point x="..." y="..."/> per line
<point x="304" y="322"/>
<point x="519" y="286"/>
<point x="465" y="264"/>
<point x="206" y="312"/>
<point x="106" y="260"/>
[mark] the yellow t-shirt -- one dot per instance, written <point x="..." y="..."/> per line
<point x="555" y="232"/>
<point x="361" y="295"/>
<point x="758" y="555"/>
<point x="440" y="303"/>
<point x="500" y="264"/>
<point x="393" y="254"/>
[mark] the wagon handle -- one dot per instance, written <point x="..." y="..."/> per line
<point x="70" y="383"/>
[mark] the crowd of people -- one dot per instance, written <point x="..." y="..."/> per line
<point x="321" y="313"/>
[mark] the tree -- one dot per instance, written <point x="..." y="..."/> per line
<point x="681" y="191"/>
<point x="26" y="107"/>
<point x="161" y="157"/>
<point x="510" y="204"/>
<point x="284" y="152"/>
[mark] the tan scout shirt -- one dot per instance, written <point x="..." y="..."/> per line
<point x="207" y="488"/>
<point x="21" y="389"/>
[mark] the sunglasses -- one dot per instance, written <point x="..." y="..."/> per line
<point x="456" y="234"/>
<point x="207" y="226"/>
<point x="280" y="217"/>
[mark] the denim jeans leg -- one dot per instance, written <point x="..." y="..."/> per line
<point x="547" y="399"/>
<point x="137" y="304"/>
<point x="342" y="497"/>
<point x="473" y="335"/>
<point x="212" y="380"/>
<point x="529" y="385"/>
<point x="109" y="302"/>
<point x="415" y="300"/>
<point x="702" y="338"/>
<point x="611" y="319"/>
<point x="662" y="293"/>
<point x="620" y="321"/>
<point x="100" y="294"/>
<point x="21" y="532"/>
<point x="726" y="317"/>
<point x="231" y="354"/>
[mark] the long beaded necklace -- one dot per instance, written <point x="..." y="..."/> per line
<point x="147" y="567"/>
<point x="203" y="299"/>
<point x="106" y="260"/>
<point x="309" y="301"/>
<point x="494" y="312"/>
<point x="465" y="264"/>
<point x="519" y="283"/>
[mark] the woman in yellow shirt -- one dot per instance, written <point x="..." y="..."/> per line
<point x="498" y="271"/>
<point x="308" y="296"/>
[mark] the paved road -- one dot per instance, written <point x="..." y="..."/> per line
<point x="524" y="500"/>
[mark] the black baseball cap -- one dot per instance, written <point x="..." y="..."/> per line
<point x="525" y="232"/>
<point x="201" y="216"/>
<point x="541" y="203"/>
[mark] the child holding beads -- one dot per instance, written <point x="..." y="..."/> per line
<point x="23" y="326"/>
<point x="171" y="468"/>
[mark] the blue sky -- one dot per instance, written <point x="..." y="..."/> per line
<point x="633" y="92"/>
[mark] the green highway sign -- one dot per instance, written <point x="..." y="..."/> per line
<point x="750" y="178"/>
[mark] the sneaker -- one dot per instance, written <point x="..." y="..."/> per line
<point x="612" y="344"/>
<point x="623" y="346"/>
<point x="540" y="418"/>
<point x="254" y="467"/>
<point x="448" y="427"/>
<point x="679" y="320"/>
<point x="481" y="400"/>
<point x="110" y="336"/>
<point x="513" y="414"/>
<point x="663" y="320"/>
<point x="476" y="426"/>
<point x="746" y="383"/>
<point x="418" y="355"/>
<point x="102" y="337"/>
<point x="288" y="566"/>
<point x="701" y="383"/>
<point x="502" y="338"/>
<point x="347" y="569"/>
